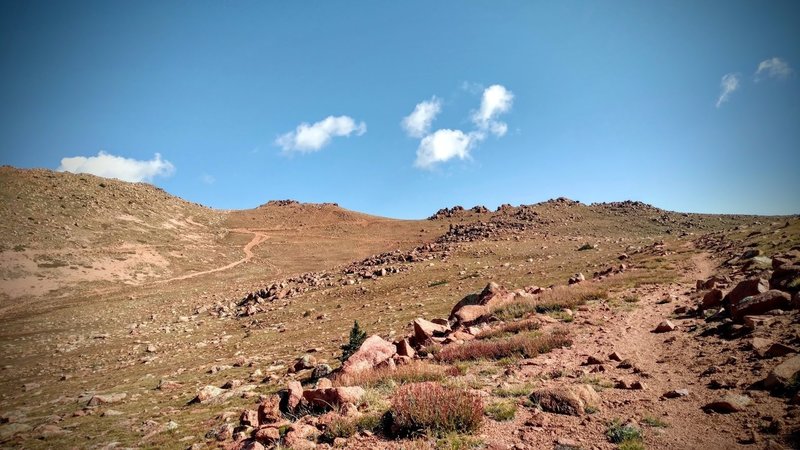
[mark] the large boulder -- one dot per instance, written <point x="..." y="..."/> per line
<point x="424" y="330"/>
<point x="334" y="397"/>
<point x="783" y="375"/>
<point x="470" y="314"/>
<point x="571" y="400"/>
<point x="372" y="352"/>
<point x="292" y="396"/>
<point x="759" y="304"/>
<point x="746" y="288"/>
<point x="786" y="278"/>
<point x="475" y="306"/>
<point x="712" y="299"/>
<point x="404" y="348"/>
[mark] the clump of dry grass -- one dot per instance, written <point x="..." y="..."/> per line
<point x="435" y="409"/>
<point x="526" y="345"/>
<point x="509" y="328"/>
<point x="414" y="372"/>
<point x="556" y="299"/>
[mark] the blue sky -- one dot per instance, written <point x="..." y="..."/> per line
<point x="517" y="102"/>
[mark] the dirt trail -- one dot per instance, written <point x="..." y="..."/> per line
<point x="258" y="238"/>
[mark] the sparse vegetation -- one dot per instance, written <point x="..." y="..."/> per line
<point x="357" y="337"/>
<point x="502" y="410"/>
<point x="435" y="409"/>
<point x="417" y="371"/>
<point x="523" y="345"/>
<point x="508" y="329"/>
<point x="516" y="390"/>
<point x="625" y="435"/>
<point x="654" y="422"/>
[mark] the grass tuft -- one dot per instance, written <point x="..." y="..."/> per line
<point x="415" y="372"/>
<point x="508" y="329"/>
<point x="524" y="345"/>
<point x="502" y="410"/>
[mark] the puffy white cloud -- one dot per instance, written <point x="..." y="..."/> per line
<point x="773" y="68"/>
<point x="729" y="84"/>
<point x="311" y="138"/>
<point x="112" y="166"/>
<point x="444" y="145"/>
<point x="419" y="121"/>
<point x="496" y="100"/>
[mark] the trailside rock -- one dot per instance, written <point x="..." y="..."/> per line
<point x="469" y="314"/>
<point x="731" y="403"/>
<point x="372" y="352"/>
<point x="766" y="348"/>
<point x="107" y="399"/>
<point x="571" y="400"/>
<point x="712" y="298"/>
<point x="404" y="348"/>
<point x="664" y="327"/>
<point x="424" y="330"/>
<point x="292" y="396"/>
<point x="334" y="397"/>
<point x="783" y="374"/>
<point x="760" y="304"/>
<point x="746" y="288"/>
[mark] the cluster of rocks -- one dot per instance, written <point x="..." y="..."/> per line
<point x="286" y="419"/>
<point x="746" y="307"/>
<point x="457" y="210"/>
<point x="370" y="268"/>
<point x="481" y="231"/>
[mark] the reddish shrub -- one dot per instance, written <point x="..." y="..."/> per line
<point x="435" y="409"/>
<point x="526" y="346"/>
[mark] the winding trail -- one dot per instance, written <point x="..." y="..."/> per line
<point x="258" y="238"/>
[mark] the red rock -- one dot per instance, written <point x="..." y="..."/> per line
<point x="334" y="397"/>
<point x="664" y="327"/>
<point x="766" y="348"/>
<point x="782" y="375"/>
<point x="470" y="314"/>
<point x="759" y="304"/>
<point x="372" y="352"/>
<point x="267" y="435"/>
<point x="746" y="288"/>
<point x="424" y="330"/>
<point x="570" y="400"/>
<point x="294" y="395"/>
<point x="731" y="403"/>
<point x="249" y="418"/>
<point x="269" y="410"/>
<point x="404" y="348"/>
<point x="677" y="393"/>
<point x="712" y="299"/>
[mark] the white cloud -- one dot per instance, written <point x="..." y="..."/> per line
<point x="419" y="121"/>
<point x="112" y="166"/>
<point x="496" y="100"/>
<point x="773" y="68"/>
<point x="208" y="179"/>
<point x="729" y="84"/>
<point x="444" y="145"/>
<point x="311" y="138"/>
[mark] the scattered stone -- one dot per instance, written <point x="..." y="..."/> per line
<point x="760" y="304"/>
<point x="664" y="327"/>
<point x="731" y="403"/>
<point x="677" y="393"/>
<point x="107" y="399"/>
<point x="783" y="374"/>
<point x="766" y="348"/>
<point x="746" y="288"/>
<point x="374" y="351"/>
<point x="712" y="299"/>
<point x="207" y="393"/>
<point x="565" y="400"/>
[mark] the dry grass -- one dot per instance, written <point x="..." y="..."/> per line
<point x="509" y="328"/>
<point x="526" y="346"/>
<point x="415" y="372"/>
<point x="557" y="299"/>
<point x="434" y="409"/>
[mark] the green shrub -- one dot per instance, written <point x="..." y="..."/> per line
<point x="357" y="337"/>
<point x="626" y="435"/>
<point x="502" y="410"/>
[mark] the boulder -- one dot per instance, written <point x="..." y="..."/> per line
<point x="470" y="314"/>
<point x="746" y="288"/>
<point x="292" y="396"/>
<point x="404" y="348"/>
<point x="786" y="278"/>
<point x="107" y="399"/>
<point x="268" y="435"/>
<point x="269" y="411"/>
<point x="759" y="304"/>
<point x="424" y="330"/>
<point x="712" y="299"/>
<point x="302" y="363"/>
<point x="783" y="375"/>
<point x="249" y="418"/>
<point x="374" y="351"/>
<point x="731" y="403"/>
<point x="321" y="371"/>
<point x="664" y="327"/>
<point x="492" y="297"/>
<point x="766" y="348"/>
<point x="334" y="397"/>
<point x="571" y="400"/>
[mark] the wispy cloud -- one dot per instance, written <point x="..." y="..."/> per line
<point x="311" y="138"/>
<point x="773" y="68"/>
<point x="418" y="123"/>
<point x="496" y="100"/>
<point x="208" y="179"/>
<point x="112" y="166"/>
<point x="444" y="145"/>
<point x="728" y="85"/>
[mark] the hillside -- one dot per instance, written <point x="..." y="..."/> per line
<point x="538" y="318"/>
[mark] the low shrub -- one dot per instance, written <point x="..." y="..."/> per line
<point x="415" y="372"/>
<point x="509" y="328"/>
<point x="556" y="299"/>
<point x="625" y="435"/>
<point x="516" y="390"/>
<point x="525" y="346"/>
<point x="435" y="410"/>
<point x="654" y="422"/>
<point x="502" y="410"/>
